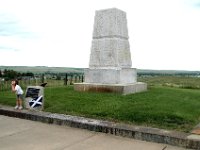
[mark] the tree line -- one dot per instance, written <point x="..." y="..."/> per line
<point x="11" y="74"/>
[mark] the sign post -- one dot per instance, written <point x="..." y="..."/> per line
<point x="34" y="98"/>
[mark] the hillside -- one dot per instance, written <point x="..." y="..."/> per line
<point x="45" y="69"/>
<point x="42" y="69"/>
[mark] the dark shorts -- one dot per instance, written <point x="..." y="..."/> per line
<point x="20" y="96"/>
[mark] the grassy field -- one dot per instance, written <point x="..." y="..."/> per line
<point x="162" y="107"/>
<point x="172" y="81"/>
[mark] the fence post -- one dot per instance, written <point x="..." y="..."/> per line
<point x="66" y="79"/>
<point x="79" y="78"/>
<point x="1" y="87"/>
<point x="71" y="80"/>
<point x="75" y="80"/>
<point x="29" y="80"/>
<point x="42" y="78"/>
<point x="82" y="78"/>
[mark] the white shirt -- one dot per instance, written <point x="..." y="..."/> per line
<point x="18" y="90"/>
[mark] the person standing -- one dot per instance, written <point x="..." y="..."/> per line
<point x="19" y="93"/>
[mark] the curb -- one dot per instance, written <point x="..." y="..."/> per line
<point x="136" y="132"/>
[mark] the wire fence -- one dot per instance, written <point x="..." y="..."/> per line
<point x="70" y="80"/>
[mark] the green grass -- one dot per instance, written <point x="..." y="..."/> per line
<point x="172" y="81"/>
<point x="162" y="107"/>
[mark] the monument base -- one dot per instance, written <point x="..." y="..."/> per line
<point x="111" y="76"/>
<point x="123" y="89"/>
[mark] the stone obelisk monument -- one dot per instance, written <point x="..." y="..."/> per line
<point x="110" y="59"/>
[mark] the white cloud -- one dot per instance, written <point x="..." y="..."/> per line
<point x="163" y="34"/>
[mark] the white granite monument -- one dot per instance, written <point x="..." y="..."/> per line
<point x="110" y="59"/>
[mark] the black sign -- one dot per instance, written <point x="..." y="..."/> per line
<point x="32" y="92"/>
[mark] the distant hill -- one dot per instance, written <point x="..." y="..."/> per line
<point x="42" y="69"/>
<point x="45" y="69"/>
<point x="167" y="72"/>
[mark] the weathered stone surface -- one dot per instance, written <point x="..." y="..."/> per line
<point x="112" y="88"/>
<point x="110" y="23"/>
<point x="110" y="52"/>
<point x="110" y="58"/>
<point x="111" y="76"/>
<point x="110" y="45"/>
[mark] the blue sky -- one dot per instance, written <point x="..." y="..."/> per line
<point x="163" y="34"/>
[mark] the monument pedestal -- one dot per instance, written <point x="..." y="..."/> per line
<point x="111" y="88"/>
<point x="111" y="75"/>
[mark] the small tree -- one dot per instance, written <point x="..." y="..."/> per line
<point x="30" y="74"/>
<point x="10" y="74"/>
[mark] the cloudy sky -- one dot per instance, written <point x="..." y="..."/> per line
<point x="163" y="34"/>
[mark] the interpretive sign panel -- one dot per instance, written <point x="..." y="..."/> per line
<point x="34" y="97"/>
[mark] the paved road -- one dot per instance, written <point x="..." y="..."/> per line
<point x="19" y="134"/>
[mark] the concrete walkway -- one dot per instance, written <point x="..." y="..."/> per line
<point x="19" y="134"/>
